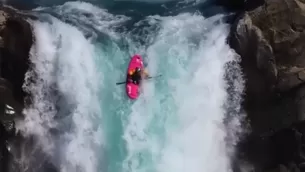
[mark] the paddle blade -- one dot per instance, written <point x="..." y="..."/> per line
<point x="119" y="83"/>
<point x="150" y="77"/>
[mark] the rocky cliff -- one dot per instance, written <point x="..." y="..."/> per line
<point x="15" y="42"/>
<point x="270" y="39"/>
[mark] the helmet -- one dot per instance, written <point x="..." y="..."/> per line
<point x="138" y="69"/>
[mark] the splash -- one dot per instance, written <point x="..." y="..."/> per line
<point x="177" y="125"/>
<point x="64" y="97"/>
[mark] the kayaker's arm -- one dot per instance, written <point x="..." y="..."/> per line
<point x="145" y="72"/>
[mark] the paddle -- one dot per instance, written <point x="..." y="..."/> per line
<point x="150" y="77"/>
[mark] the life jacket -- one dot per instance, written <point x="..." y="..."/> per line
<point x="132" y="71"/>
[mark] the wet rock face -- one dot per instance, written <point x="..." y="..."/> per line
<point x="271" y="42"/>
<point x="15" y="42"/>
<point x="276" y="151"/>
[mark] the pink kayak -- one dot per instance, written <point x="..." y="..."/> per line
<point x="132" y="89"/>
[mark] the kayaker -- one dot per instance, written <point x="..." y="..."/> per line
<point x="136" y="75"/>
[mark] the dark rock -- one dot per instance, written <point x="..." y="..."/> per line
<point x="270" y="40"/>
<point x="3" y="149"/>
<point x="17" y="39"/>
<point x="239" y="5"/>
<point x="15" y="43"/>
<point x="6" y="96"/>
<point x="284" y="147"/>
<point x="279" y="168"/>
<point x="257" y="62"/>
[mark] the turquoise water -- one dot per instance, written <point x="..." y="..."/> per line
<point x="176" y="125"/>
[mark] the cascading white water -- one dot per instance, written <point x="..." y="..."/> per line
<point x="65" y="96"/>
<point x="175" y="125"/>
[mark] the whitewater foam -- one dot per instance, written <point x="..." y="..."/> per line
<point x="175" y="125"/>
<point x="191" y="52"/>
<point x="64" y="96"/>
